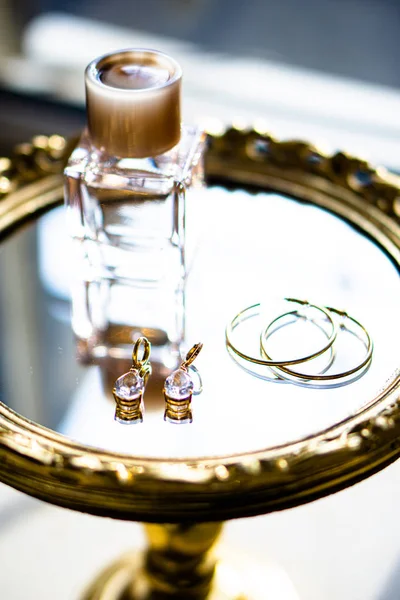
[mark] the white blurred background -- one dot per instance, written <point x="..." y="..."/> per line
<point x="323" y="70"/>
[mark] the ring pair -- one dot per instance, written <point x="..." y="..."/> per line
<point x="330" y="321"/>
<point x="178" y="388"/>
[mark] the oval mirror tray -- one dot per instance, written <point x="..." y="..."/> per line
<point x="276" y="219"/>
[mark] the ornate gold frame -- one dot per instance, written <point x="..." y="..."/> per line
<point x="55" y="469"/>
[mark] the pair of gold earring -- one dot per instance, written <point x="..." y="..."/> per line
<point x="330" y="321"/>
<point x="178" y="388"/>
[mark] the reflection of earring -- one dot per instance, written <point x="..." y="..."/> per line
<point x="179" y="389"/>
<point x="129" y="388"/>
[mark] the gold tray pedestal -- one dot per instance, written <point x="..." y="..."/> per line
<point x="194" y="496"/>
<point x="179" y="563"/>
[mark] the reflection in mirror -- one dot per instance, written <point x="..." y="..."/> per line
<point x="254" y="247"/>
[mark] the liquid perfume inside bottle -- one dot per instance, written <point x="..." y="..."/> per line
<point x="128" y="184"/>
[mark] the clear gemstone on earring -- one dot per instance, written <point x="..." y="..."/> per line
<point x="129" y="386"/>
<point x="178" y="385"/>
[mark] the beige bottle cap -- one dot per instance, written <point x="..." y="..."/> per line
<point x="133" y="102"/>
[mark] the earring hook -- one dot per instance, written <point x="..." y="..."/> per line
<point x="140" y="363"/>
<point x="191" y="356"/>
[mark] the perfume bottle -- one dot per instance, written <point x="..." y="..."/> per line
<point x="128" y="184"/>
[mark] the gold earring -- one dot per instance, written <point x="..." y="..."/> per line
<point x="254" y="311"/>
<point x="179" y="389"/>
<point x="347" y="323"/>
<point x="129" y="388"/>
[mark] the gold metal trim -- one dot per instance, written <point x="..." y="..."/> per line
<point x="53" y="468"/>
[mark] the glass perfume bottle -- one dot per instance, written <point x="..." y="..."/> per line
<point x="127" y="185"/>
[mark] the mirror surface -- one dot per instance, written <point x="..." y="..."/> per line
<point x="254" y="247"/>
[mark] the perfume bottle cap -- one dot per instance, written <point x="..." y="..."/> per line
<point x="133" y="102"/>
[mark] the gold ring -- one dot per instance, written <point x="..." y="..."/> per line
<point x="254" y="310"/>
<point x="290" y="374"/>
<point x="274" y="377"/>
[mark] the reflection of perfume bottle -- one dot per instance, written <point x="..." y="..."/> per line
<point x="127" y="184"/>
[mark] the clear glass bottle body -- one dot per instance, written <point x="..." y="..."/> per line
<point x="127" y="220"/>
